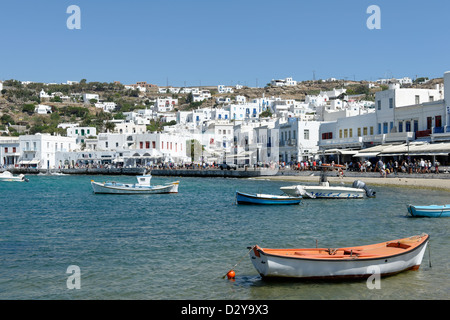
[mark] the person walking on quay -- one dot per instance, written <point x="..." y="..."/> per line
<point x="436" y="167"/>
<point x="380" y="167"/>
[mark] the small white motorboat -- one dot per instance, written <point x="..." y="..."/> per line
<point x="8" y="176"/>
<point x="141" y="187"/>
<point x="324" y="190"/>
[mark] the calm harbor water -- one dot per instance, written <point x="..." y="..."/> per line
<point x="179" y="246"/>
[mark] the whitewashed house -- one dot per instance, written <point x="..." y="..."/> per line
<point x="163" y="147"/>
<point x="223" y="89"/>
<point x="42" y="109"/>
<point x="128" y="127"/>
<point x="201" y="95"/>
<point x="39" y="150"/>
<point x="283" y="82"/>
<point x="81" y="133"/>
<point x="9" y="151"/>
<point x="165" y="104"/>
<point x="106" y="106"/>
<point x="298" y="140"/>
<point x="87" y="97"/>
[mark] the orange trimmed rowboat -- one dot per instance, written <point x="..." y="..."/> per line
<point x="384" y="258"/>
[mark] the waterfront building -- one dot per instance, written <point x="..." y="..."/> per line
<point x="402" y="116"/>
<point x="400" y="102"/>
<point x="39" y="150"/>
<point x="298" y="140"/>
<point x="161" y="146"/>
<point x="9" y="151"/>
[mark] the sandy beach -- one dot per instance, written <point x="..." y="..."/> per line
<point x="401" y="181"/>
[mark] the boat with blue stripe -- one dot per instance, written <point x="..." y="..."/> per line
<point x="431" y="211"/>
<point x="259" y="198"/>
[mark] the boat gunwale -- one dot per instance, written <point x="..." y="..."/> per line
<point x="355" y="257"/>
<point x="431" y="208"/>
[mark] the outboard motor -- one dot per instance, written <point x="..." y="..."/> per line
<point x="361" y="185"/>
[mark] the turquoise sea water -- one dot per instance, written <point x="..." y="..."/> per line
<point x="179" y="246"/>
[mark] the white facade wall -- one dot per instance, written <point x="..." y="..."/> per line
<point x="129" y="128"/>
<point x="40" y="149"/>
<point x="165" y="104"/>
<point x="220" y="114"/>
<point x="243" y="111"/>
<point x="88" y="96"/>
<point x="171" y="146"/>
<point x="114" y="141"/>
<point x="447" y="90"/>
<point x="388" y="102"/>
<point x="298" y="140"/>
<point x="42" y="109"/>
<point x="81" y="133"/>
<point x="106" y="106"/>
<point x="9" y="151"/>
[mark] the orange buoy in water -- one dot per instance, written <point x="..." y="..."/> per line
<point x="231" y="274"/>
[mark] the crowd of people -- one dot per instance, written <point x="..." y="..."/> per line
<point x="394" y="166"/>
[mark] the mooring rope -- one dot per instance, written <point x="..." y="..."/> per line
<point x="238" y="262"/>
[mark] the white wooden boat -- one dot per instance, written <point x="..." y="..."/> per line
<point x="431" y="211"/>
<point x="8" y="176"/>
<point x="384" y="258"/>
<point x="260" y="198"/>
<point x="141" y="187"/>
<point x="324" y="190"/>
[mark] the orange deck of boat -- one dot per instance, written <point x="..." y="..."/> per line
<point x="379" y="250"/>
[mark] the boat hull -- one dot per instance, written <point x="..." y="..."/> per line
<point x="263" y="199"/>
<point x="118" y="188"/>
<point x="320" y="192"/>
<point x="7" y="176"/>
<point x="310" y="266"/>
<point x="432" y="211"/>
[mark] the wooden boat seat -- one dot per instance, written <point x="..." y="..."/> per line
<point x="398" y="245"/>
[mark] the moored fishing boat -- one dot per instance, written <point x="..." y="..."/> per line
<point x="259" y="198"/>
<point x="384" y="258"/>
<point x="141" y="187"/>
<point x="8" y="176"/>
<point x="431" y="211"/>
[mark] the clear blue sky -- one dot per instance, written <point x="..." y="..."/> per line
<point x="198" y="42"/>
